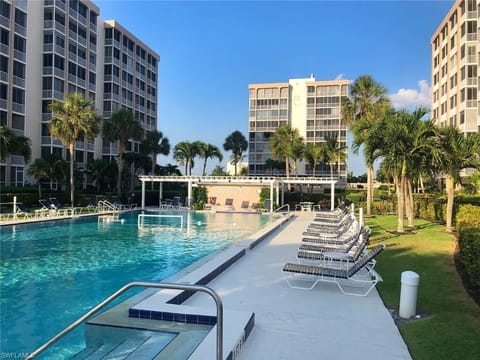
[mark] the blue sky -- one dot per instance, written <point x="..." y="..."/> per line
<point x="211" y="50"/>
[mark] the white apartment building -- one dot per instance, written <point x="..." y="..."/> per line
<point x="455" y="68"/>
<point x="50" y="48"/>
<point x="313" y="107"/>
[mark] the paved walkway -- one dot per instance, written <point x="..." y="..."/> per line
<point x="297" y="324"/>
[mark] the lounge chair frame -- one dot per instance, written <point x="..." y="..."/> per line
<point x="360" y="275"/>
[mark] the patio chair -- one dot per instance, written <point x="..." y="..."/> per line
<point x="356" y="274"/>
<point x="22" y="210"/>
<point x="59" y="208"/>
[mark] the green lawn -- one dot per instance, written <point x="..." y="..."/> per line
<point x="451" y="328"/>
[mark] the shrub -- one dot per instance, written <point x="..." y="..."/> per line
<point x="468" y="228"/>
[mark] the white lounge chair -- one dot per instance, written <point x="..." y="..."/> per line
<point x="358" y="275"/>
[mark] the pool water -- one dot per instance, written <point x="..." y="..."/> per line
<point x="53" y="272"/>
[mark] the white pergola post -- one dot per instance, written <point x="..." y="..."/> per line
<point x="360" y="217"/>
<point x="160" y="193"/>
<point x="143" y="194"/>
<point x="271" y="196"/>
<point x="189" y="196"/>
<point x="277" y="195"/>
<point x="282" y="186"/>
<point x="332" y="195"/>
<point x="15" y="207"/>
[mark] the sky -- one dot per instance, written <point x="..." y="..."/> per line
<point x="211" y="50"/>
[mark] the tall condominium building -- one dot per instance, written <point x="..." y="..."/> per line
<point x="455" y="68"/>
<point x="313" y="107"/>
<point x="50" y="48"/>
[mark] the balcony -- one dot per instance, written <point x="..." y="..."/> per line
<point x="3" y="104"/>
<point x="471" y="103"/>
<point x="18" y="81"/>
<point x="3" y="76"/>
<point x="48" y="24"/>
<point x="92" y="47"/>
<point x="19" y="29"/>
<point x="18" y="55"/>
<point x="4" y="21"/>
<point x="471" y="15"/>
<point x="93" y="27"/>
<point x="46" y="116"/>
<point x="471" y="37"/>
<point x="4" y="49"/>
<point x="18" y="108"/>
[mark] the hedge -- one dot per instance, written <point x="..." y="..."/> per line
<point x="468" y="230"/>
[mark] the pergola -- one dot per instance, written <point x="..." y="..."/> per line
<point x="275" y="183"/>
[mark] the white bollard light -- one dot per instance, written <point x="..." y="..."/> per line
<point x="408" y="294"/>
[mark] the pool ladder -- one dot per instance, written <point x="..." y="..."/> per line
<point x="84" y="317"/>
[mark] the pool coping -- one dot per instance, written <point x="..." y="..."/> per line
<point x="168" y="304"/>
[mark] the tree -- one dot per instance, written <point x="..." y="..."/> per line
<point x="272" y="165"/>
<point x="455" y="153"/>
<point x="102" y="173"/>
<point x="122" y="127"/>
<point x="184" y="153"/>
<point x="407" y="142"/>
<point x="334" y="152"/>
<point x="154" y="144"/>
<point x="73" y="120"/>
<point x="313" y="155"/>
<point x="39" y="170"/>
<point x="218" y="171"/>
<point x="237" y="143"/>
<point x="12" y="144"/>
<point x="285" y="143"/>
<point x="208" y="151"/>
<point x="367" y="104"/>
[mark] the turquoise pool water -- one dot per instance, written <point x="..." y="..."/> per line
<point x="53" y="272"/>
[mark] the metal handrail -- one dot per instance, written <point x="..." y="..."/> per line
<point x="105" y="204"/>
<point x="80" y="320"/>
<point x="281" y="207"/>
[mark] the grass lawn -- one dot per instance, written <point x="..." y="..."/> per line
<point x="450" y="328"/>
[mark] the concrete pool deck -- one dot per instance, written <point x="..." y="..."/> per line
<point x="299" y="324"/>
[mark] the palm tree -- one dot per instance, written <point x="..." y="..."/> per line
<point x="40" y="170"/>
<point x="154" y="144"/>
<point x="122" y="127"/>
<point x="313" y="155"/>
<point x="73" y="119"/>
<point x="10" y="144"/>
<point x="334" y="152"/>
<point x="237" y="143"/>
<point x="455" y="153"/>
<point x="405" y="142"/>
<point x="208" y="151"/>
<point x="97" y="172"/>
<point x="286" y="143"/>
<point x="184" y="153"/>
<point x="367" y="104"/>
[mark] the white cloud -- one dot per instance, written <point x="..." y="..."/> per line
<point x="340" y="77"/>
<point x="412" y="98"/>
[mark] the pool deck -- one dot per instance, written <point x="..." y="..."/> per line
<point x="299" y="324"/>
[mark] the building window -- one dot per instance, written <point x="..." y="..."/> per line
<point x="5" y="9"/>
<point x="20" y="17"/>
<point x="19" y="69"/>
<point x="19" y="43"/>
<point x="4" y="36"/>
<point x="18" y="96"/>
<point x="3" y="64"/>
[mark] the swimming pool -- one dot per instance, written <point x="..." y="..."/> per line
<point x="53" y="272"/>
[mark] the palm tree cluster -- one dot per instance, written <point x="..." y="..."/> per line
<point x="288" y="145"/>
<point x="409" y="147"/>
<point x="185" y="153"/>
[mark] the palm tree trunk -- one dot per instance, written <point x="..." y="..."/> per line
<point x="409" y="202"/>
<point x="71" y="148"/>
<point x="422" y="187"/>
<point x="369" y="190"/>
<point x="450" y="188"/>
<point x="204" y="167"/>
<point x="400" y="203"/>
<point x="120" y="173"/>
